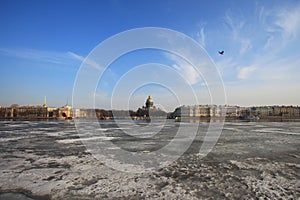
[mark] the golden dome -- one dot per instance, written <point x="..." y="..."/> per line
<point x="149" y="102"/>
<point x="150" y="99"/>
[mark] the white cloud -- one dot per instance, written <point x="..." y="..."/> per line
<point x="235" y="24"/>
<point x="261" y="44"/>
<point x="227" y="67"/>
<point x="283" y="21"/>
<point x="245" y="72"/>
<point x="201" y="36"/>
<point x="289" y="22"/>
<point x="76" y="56"/>
<point x="187" y="71"/>
<point x="53" y="57"/>
<point x="87" y="61"/>
<point x="245" y="45"/>
<point x="271" y="69"/>
<point x="239" y="36"/>
<point x="261" y="53"/>
<point x="38" y="55"/>
<point x="269" y="42"/>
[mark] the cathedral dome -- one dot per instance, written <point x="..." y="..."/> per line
<point x="150" y="99"/>
<point x="149" y="102"/>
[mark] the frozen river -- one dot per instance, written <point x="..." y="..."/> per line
<point x="51" y="160"/>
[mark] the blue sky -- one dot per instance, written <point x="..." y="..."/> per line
<point x="42" y="45"/>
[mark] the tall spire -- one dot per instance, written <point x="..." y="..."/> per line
<point x="45" y="103"/>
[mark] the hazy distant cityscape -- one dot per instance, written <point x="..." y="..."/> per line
<point x="275" y="112"/>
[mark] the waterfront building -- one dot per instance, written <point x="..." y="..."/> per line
<point x="277" y="111"/>
<point x="30" y="112"/>
<point x="65" y="112"/>
<point x="149" y="110"/>
<point x="265" y="111"/>
<point x="204" y="111"/>
<point x="214" y="111"/>
<point x="231" y="111"/>
<point x="6" y="113"/>
<point x="35" y="112"/>
<point x="185" y="111"/>
<point x="23" y="112"/>
<point x="200" y="111"/>
<point x="75" y="112"/>
<point x="297" y="111"/>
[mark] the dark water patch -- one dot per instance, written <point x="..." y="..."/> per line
<point x="14" y="196"/>
<point x="21" y="195"/>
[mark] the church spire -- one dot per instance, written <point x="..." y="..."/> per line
<point x="45" y="103"/>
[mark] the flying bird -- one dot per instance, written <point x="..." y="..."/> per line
<point x="221" y="52"/>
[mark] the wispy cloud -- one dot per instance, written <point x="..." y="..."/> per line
<point x="187" y="71"/>
<point x="246" y="71"/>
<point x="260" y="45"/>
<point x="52" y="57"/>
<point x="281" y="28"/>
<point x="237" y="26"/>
<point x="245" y="45"/>
<point x="76" y="56"/>
<point x="283" y="21"/>
<point x="269" y="42"/>
<point x="201" y="36"/>
<point x="289" y="22"/>
<point x="87" y="61"/>
<point x="227" y="67"/>
<point x="281" y="69"/>
<point x="235" y="23"/>
<point x="38" y="55"/>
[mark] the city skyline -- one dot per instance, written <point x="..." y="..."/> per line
<point x="45" y="104"/>
<point x="43" y="44"/>
<point x="149" y="110"/>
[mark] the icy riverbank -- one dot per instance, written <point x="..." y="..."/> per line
<point x="46" y="160"/>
